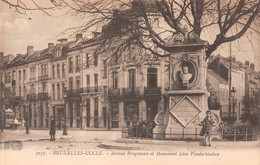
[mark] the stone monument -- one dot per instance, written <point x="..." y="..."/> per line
<point x="187" y="95"/>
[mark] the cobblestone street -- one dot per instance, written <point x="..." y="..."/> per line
<point x="109" y="145"/>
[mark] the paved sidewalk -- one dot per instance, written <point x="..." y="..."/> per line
<point x="34" y="135"/>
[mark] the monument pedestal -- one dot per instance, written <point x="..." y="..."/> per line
<point x="188" y="95"/>
<point x="187" y="109"/>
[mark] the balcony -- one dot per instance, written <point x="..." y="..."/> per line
<point x="130" y="91"/>
<point x="113" y="92"/>
<point x="92" y="90"/>
<point x="42" y="78"/>
<point x="75" y="93"/>
<point x="152" y="91"/>
<point x="43" y="96"/>
<point x="31" y="97"/>
<point x="124" y="93"/>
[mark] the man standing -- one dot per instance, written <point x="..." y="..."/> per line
<point x="52" y="129"/>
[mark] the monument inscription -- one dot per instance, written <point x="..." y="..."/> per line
<point x="185" y="111"/>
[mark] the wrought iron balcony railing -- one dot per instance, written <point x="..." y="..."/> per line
<point x="91" y="90"/>
<point x="152" y="91"/>
<point x="124" y="92"/>
<point x="43" y="96"/>
<point x="42" y="78"/>
<point x="31" y="97"/>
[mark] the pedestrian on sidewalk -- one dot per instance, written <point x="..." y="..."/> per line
<point x="206" y="129"/>
<point x="52" y="129"/>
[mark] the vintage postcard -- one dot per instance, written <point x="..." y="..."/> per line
<point x="129" y="81"/>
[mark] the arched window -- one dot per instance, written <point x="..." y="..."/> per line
<point x="115" y="80"/>
<point x="58" y="70"/>
<point x="63" y="70"/>
<point x="53" y="71"/>
<point x="132" y="79"/>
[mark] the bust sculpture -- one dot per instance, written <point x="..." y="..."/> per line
<point x="185" y="77"/>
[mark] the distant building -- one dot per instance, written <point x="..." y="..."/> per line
<point x="221" y="66"/>
<point x="220" y="86"/>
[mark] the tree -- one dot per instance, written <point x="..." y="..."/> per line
<point x="230" y="19"/>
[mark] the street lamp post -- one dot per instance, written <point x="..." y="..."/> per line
<point x="233" y="91"/>
<point x="65" y="119"/>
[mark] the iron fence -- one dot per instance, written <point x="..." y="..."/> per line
<point x="234" y="134"/>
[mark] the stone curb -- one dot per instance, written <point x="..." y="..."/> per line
<point x="137" y="144"/>
<point x="189" y="143"/>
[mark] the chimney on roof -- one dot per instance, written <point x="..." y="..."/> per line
<point x="10" y="57"/>
<point x="79" y="36"/>
<point x="95" y="34"/>
<point x="29" y="50"/>
<point x="247" y="63"/>
<point x="63" y="40"/>
<point x="50" y="46"/>
<point x="252" y="66"/>
<point x="1" y="58"/>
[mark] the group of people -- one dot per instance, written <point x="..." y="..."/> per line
<point x="206" y="130"/>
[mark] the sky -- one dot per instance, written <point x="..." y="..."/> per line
<point x="38" y="29"/>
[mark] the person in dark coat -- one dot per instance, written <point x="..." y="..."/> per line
<point x="52" y="129"/>
<point x="206" y="130"/>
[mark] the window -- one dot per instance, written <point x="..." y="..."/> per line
<point x="96" y="113"/>
<point x="20" y="91"/>
<point x="58" y="91"/>
<point x="114" y="115"/>
<point x="96" y="107"/>
<point x="63" y="70"/>
<point x="53" y="92"/>
<point x="77" y="64"/>
<point x="58" y="70"/>
<point x="32" y="72"/>
<point x="151" y="77"/>
<point x="63" y="89"/>
<point x="115" y="58"/>
<point x="87" y="60"/>
<point x="71" y="83"/>
<point x="96" y="82"/>
<point x="132" y="53"/>
<point x="35" y="112"/>
<point x="1" y="78"/>
<point x="88" y="112"/>
<point x="20" y="75"/>
<point x="70" y="64"/>
<point x="95" y="60"/>
<point x="13" y="75"/>
<point x="24" y="74"/>
<point x="53" y="71"/>
<point x="77" y="82"/>
<point x="32" y="90"/>
<point x="24" y="90"/>
<point x="115" y="80"/>
<point x="105" y="68"/>
<point x="131" y="79"/>
<point x="44" y="70"/>
<point x="88" y="82"/>
<point x="44" y="87"/>
<point x="131" y="111"/>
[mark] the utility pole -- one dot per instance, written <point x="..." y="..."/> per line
<point x="229" y="80"/>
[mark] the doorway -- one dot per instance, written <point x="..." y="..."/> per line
<point x="151" y="110"/>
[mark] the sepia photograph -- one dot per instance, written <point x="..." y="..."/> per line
<point x="129" y="82"/>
